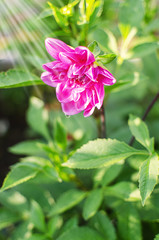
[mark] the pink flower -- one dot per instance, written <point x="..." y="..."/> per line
<point x="79" y="82"/>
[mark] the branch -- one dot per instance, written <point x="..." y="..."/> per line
<point x="146" y="113"/>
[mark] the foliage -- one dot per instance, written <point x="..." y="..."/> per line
<point x="69" y="183"/>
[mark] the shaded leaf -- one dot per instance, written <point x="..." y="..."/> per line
<point x="79" y="233"/>
<point x="103" y="224"/>
<point x="92" y="203"/>
<point x="66" y="201"/>
<point x="37" y="216"/>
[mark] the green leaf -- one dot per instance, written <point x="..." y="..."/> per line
<point x="144" y="49"/>
<point x="106" y="58"/>
<point x="106" y="175"/>
<point x="37" y="216"/>
<point x="100" y="153"/>
<point x="94" y="48"/>
<point x="124" y="190"/>
<point x="131" y="12"/>
<point x="53" y="224"/>
<point x="66" y="201"/>
<point x="103" y="225"/>
<point x="148" y="176"/>
<point x="92" y="203"/>
<point x="31" y="147"/>
<point x="21" y="230"/>
<point x="60" y="134"/>
<point x="18" y="78"/>
<point x="140" y="131"/>
<point x="44" y="165"/>
<point x="20" y="173"/>
<point x="128" y="222"/>
<point x="80" y="233"/>
<point x="71" y="223"/>
<point x="7" y="218"/>
<point x="37" y="117"/>
<point x="156" y="237"/>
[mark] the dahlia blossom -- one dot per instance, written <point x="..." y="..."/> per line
<point x="78" y="80"/>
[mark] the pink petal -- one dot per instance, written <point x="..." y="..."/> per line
<point x="106" y="77"/>
<point x="55" y="46"/>
<point x="74" y="70"/>
<point x="69" y="108"/>
<point x="82" y="102"/>
<point x="63" y="93"/>
<point x="92" y="73"/>
<point x="89" y="110"/>
<point x="54" y="65"/>
<point x="49" y="80"/>
<point x="99" y="89"/>
<point x="86" y="57"/>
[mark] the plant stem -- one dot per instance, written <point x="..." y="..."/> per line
<point x="103" y="122"/>
<point x="146" y="113"/>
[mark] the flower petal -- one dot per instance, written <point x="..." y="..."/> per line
<point x="47" y="78"/>
<point x="106" y="77"/>
<point x="69" y="108"/>
<point x="88" y="111"/>
<point x="63" y="93"/>
<point x="92" y="73"/>
<point x="55" y="46"/>
<point x="99" y="92"/>
<point x="86" y="57"/>
<point x="54" y="65"/>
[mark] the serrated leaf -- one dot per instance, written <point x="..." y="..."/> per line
<point x="66" y="201"/>
<point x="100" y="153"/>
<point x="30" y="147"/>
<point x="103" y="224"/>
<point x="20" y="173"/>
<point x="92" y="203"/>
<point x="94" y="48"/>
<point x="106" y="58"/>
<point x="148" y="176"/>
<point x="128" y="222"/>
<point x="79" y="233"/>
<point x="37" y="117"/>
<point x="37" y="216"/>
<point x="18" y="78"/>
<point x="140" y="131"/>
